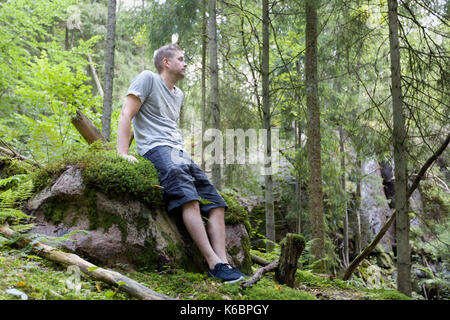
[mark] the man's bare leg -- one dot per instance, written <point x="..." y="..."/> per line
<point x="194" y="225"/>
<point x="216" y="232"/>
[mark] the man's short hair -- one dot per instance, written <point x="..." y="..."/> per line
<point x="166" y="51"/>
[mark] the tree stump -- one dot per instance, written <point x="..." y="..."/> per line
<point x="291" y="249"/>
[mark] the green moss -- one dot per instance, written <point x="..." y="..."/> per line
<point x="388" y="294"/>
<point x="309" y="279"/>
<point x="54" y="210"/>
<point x="235" y="213"/>
<point x="198" y="286"/>
<point x="147" y="259"/>
<point x="299" y="240"/>
<point x="10" y="167"/>
<point x="41" y="279"/>
<point x="106" y="171"/>
<point x="100" y="219"/>
<point x="247" y="263"/>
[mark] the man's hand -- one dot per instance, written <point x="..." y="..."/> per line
<point x="128" y="157"/>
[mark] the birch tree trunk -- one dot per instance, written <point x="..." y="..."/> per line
<point x="109" y="70"/>
<point x="399" y="138"/>
<point x="214" y="85"/>
<point x="270" y="217"/>
<point x="314" y="139"/>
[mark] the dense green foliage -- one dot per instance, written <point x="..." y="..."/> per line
<point x="46" y="75"/>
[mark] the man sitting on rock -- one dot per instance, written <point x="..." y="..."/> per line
<point x="153" y="103"/>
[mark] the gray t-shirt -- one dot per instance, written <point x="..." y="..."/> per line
<point x="155" y="123"/>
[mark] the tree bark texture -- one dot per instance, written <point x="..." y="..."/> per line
<point x="268" y="180"/>
<point x="298" y="185"/>
<point x="314" y="139"/>
<point x="357" y="216"/>
<point x="86" y="128"/>
<point x="291" y="249"/>
<point x="204" y="48"/>
<point x="131" y="286"/>
<point x="214" y="85"/>
<point x="109" y="70"/>
<point x="344" y="195"/>
<point x="399" y="141"/>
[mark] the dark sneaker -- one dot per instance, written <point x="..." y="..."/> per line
<point x="238" y="271"/>
<point x="225" y="273"/>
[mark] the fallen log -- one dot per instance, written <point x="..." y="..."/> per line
<point x="113" y="278"/>
<point x="259" y="260"/>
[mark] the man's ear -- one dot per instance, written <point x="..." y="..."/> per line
<point x="165" y="62"/>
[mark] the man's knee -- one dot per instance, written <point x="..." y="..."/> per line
<point x="217" y="212"/>
<point x="192" y="205"/>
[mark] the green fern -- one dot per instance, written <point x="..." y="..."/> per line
<point x="13" y="191"/>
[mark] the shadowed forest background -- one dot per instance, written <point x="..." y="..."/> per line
<point x="356" y="88"/>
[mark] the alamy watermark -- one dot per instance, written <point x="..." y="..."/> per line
<point x="233" y="146"/>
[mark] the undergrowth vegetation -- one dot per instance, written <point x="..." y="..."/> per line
<point x="41" y="279"/>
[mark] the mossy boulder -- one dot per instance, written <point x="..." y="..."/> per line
<point x="121" y="207"/>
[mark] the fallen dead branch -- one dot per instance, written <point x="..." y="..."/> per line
<point x="258" y="274"/>
<point x="110" y="277"/>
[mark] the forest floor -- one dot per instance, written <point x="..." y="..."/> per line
<point x="41" y="279"/>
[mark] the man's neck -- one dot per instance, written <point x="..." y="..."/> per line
<point x="169" y="81"/>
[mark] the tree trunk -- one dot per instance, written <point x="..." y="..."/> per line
<point x="314" y="139"/>
<point x="214" y="85"/>
<point x="95" y="76"/>
<point x="399" y="139"/>
<point x="270" y="218"/>
<point x="204" y="47"/>
<point x="344" y="196"/>
<point x="357" y="221"/>
<point x="86" y="128"/>
<point x="298" y="185"/>
<point x="291" y="249"/>
<point x="298" y="149"/>
<point x="124" y="283"/>
<point x="109" y="70"/>
<point x="98" y="84"/>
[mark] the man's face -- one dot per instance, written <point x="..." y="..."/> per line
<point x="176" y="65"/>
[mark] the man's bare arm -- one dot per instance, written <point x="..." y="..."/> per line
<point x="130" y="107"/>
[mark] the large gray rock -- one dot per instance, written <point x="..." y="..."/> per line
<point x="122" y="230"/>
<point x="374" y="211"/>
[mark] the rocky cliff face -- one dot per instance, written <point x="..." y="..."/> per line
<point x="122" y="230"/>
<point x="375" y="209"/>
